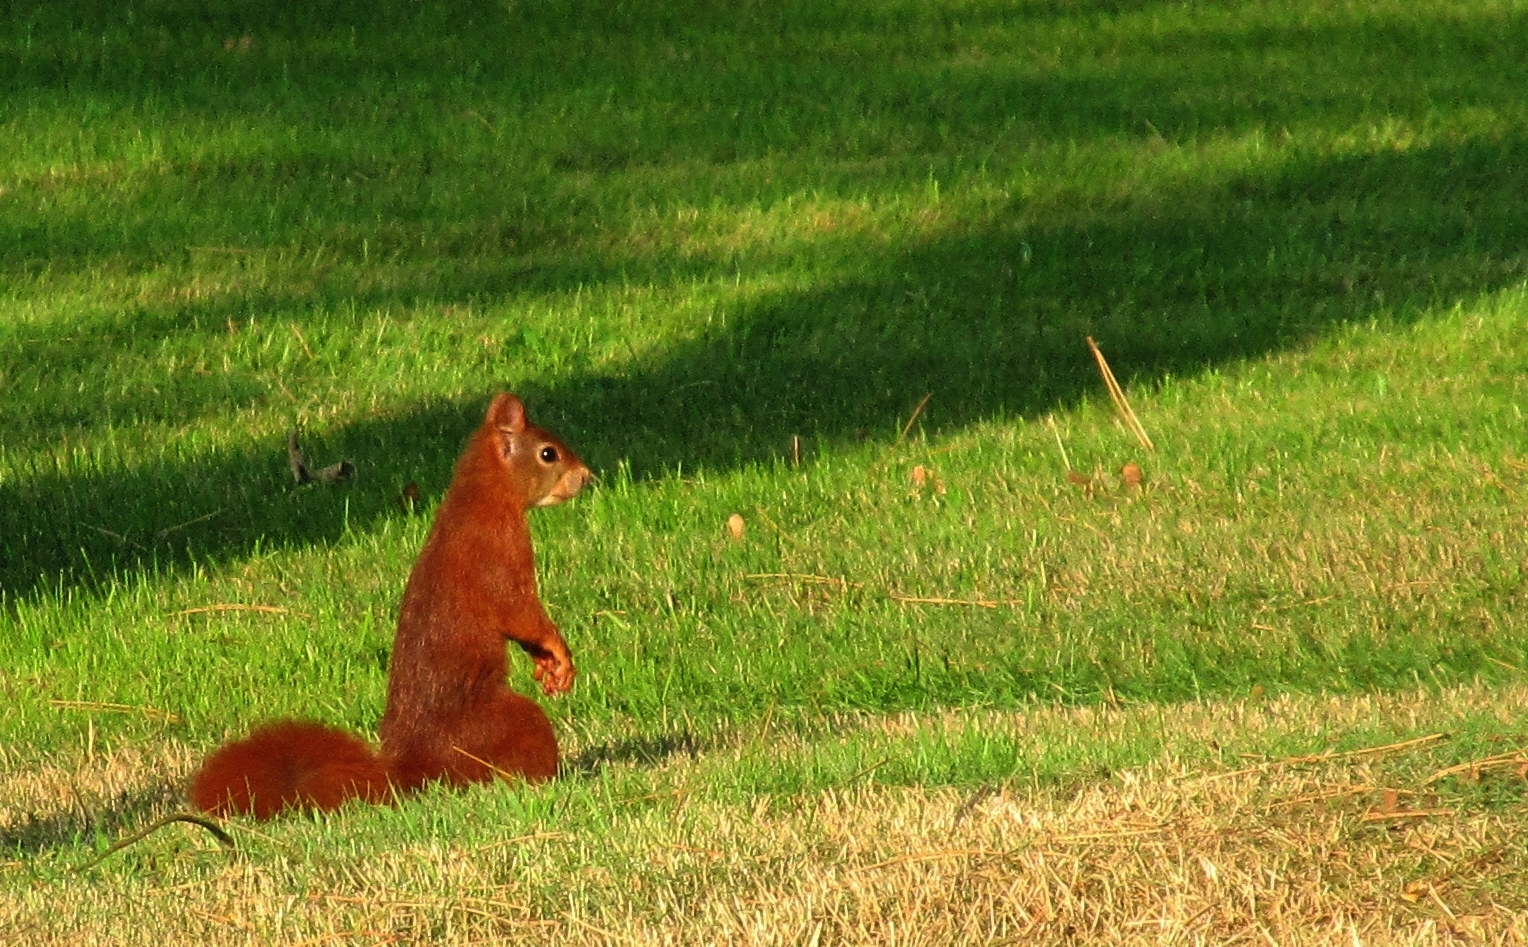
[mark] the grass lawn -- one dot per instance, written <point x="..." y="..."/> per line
<point x="828" y="267"/>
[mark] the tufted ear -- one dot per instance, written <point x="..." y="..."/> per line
<point x="507" y="413"/>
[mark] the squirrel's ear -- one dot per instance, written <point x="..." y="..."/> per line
<point x="507" y="413"/>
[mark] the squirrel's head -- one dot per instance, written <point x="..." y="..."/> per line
<point x="538" y="464"/>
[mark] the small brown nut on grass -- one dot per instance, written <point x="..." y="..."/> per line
<point x="735" y="526"/>
<point x="1131" y="474"/>
<point x="922" y="477"/>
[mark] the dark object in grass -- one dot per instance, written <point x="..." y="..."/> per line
<point x="450" y="717"/>
<point x="223" y="838"/>
<point x="341" y="472"/>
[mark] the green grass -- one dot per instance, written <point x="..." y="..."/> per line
<point x="705" y="238"/>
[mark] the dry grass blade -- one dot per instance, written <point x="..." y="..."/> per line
<point x="866" y="771"/>
<point x="168" y="530"/>
<point x="111" y="708"/>
<point x="1060" y="445"/>
<point x="913" y="419"/>
<point x="237" y="607"/>
<point x="1325" y="757"/>
<point x="972" y="602"/>
<point x="302" y="341"/>
<point x="1513" y="758"/>
<point x="1368" y="750"/>
<point x="1117" y="394"/>
<point x="913" y="857"/>
<point x="608" y="937"/>
<point x="1124" y="832"/>
<point x="1381" y="816"/>
<point x="1335" y="792"/>
<point x="804" y="577"/>
<point x="501" y="773"/>
<point x="520" y="840"/>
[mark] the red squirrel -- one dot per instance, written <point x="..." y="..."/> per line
<point x="450" y="715"/>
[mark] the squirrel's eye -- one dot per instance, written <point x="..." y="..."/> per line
<point x="549" y="454"/>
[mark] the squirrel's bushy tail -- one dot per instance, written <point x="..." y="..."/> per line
<point x="289" y="764"/>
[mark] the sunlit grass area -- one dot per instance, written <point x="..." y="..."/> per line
<point x="830" y="269"/>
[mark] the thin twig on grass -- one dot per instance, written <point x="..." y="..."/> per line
<point x="110" y="708"/>
<point x="1335" y="793"/>
<point x="1366" y="751"/>
<point x="773" y="525"/>
<point x="298" y="332"/>
<point x="866" y="772"/>
<point x="1112" y="834"/>
<point x="806" y="577"/>
<point x="912" y="420"/>
<point x="1319" y="758"/>
<point x="236" y="607"/>
<point x="1512" y="758"/>
<point x="457" y="901"/>
<point x="217" y="832"/>
<point x="1065" y="460"/>
<point x="379" y="936"/>
<point x="114" y="535"/>
<point x="769" y="718"/>
<point x="1117" y="395"/>
<point x="1380" y="816"/>
<point x="533" y="837"/>
<point x="972" y="602"/>
<point x="972" y="801"/>
<point x="215" y="917"/>
<point x="915" y="857"/>
<point x="180" y="526"/>
<point x="609" y="936"/>
<point x="247" y="829"/>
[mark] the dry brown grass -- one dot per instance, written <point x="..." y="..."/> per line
<point x="1337" y="848"/>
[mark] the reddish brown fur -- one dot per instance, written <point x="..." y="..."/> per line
<point x="449" y="716"/>
<point x="288" y="764"/>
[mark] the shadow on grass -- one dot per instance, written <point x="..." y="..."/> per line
<point x="990" y="318"/>
<point x="988" y="315"/>
<point x="650" y="751"/>
<point x="65" y="829"/>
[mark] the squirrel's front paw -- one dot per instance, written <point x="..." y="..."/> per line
<point x="555" y="674"/>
